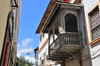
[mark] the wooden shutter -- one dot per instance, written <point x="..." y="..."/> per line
<point x="95" y="18"/>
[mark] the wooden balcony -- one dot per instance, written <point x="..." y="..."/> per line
<point x="65" y="46"/>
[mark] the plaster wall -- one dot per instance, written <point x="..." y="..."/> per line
<point x="45" y="51"/>
<point x="88" y="5"/>
<point x="43" y="40"/>
<point x="95" y="54"/>
<point x="5" y="7"/>
<point x="72" y="63"/>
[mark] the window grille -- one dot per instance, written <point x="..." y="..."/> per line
<point x="95" y="23"/>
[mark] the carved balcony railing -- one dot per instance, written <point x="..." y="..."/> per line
<point x="66" y="42"/>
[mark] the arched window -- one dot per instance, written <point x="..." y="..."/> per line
<point x="71" y="23"/>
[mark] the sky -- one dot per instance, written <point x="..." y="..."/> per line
<point x="32" y="12"/>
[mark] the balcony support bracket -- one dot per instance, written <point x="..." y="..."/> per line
<point x="78" y="57"/>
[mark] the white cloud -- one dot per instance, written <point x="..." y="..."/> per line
<point x="26" y="50"/>
<point x="26" y="41"/>
<point x="18" y="54"/>
<point x="31" y="59"/>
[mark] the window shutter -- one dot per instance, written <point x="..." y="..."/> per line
<point x="95" y="23"/>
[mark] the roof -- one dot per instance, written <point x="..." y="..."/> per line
<point x="36" y="49"/>
<point x="46" y="14"/>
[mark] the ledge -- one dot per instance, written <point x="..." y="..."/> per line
<point x="94" y="41"/>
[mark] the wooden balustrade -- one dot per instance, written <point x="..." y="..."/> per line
<point x="66" y="39"/>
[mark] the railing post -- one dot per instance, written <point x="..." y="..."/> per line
<point x="80" y="39"/>
<point x="59" y="39"/>
<point x="49" y="45"/>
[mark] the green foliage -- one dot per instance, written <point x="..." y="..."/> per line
<point x="23" y="62"/>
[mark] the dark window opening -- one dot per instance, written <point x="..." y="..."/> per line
<point x="42" y="62"/>
<point x="51" y="32"/>
<point x="43" y="35"/>
<point x="40" y="37"/>
<point x="71" y="23"/>
<point x="56" y="29"/>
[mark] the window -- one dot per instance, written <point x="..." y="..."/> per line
<point x="71" y="23"/>
<point x="94" y="18"/>
<point x="44" y="58"/>
<point x="36" y="55"/>
<point x="40" y="37"/>
<point x="43" y="35"/>
<point x="42" y="62"/>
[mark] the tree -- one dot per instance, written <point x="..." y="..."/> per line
<point x="23" y="62"/>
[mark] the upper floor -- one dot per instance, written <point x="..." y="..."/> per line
<point x="65" y="24"/>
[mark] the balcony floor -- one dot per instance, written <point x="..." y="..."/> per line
<point x="58" y="55"/>
<point x="70" y="48"/>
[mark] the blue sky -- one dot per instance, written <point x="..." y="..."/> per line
<point x="31" y="14"/>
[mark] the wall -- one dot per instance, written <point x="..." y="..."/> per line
<point x="5" y="7"/>
<point x="43" y="40"/>
<point x="72" y="63"/>
<point x="88" y="5"/>
<point x="45" y="51"/>
<point x="17" y="12"/>
<point x="94" y="53"/>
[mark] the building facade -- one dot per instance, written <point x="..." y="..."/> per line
<point x="92" y="16"/>
<point x="70" y="33"/>
<point x="36" y="56"/>
<point x="9" y="26"/>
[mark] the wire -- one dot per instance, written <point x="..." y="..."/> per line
<point x="91" y="55"/>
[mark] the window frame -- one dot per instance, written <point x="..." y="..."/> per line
<point x="92" y="42"/>
<point x="93" y="28"/>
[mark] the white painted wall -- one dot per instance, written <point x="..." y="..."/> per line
<point x="45" y="50"/>
<point x="88" y="4"/>
<point x="95" y="54"/>
<point x="43" y="40"/>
